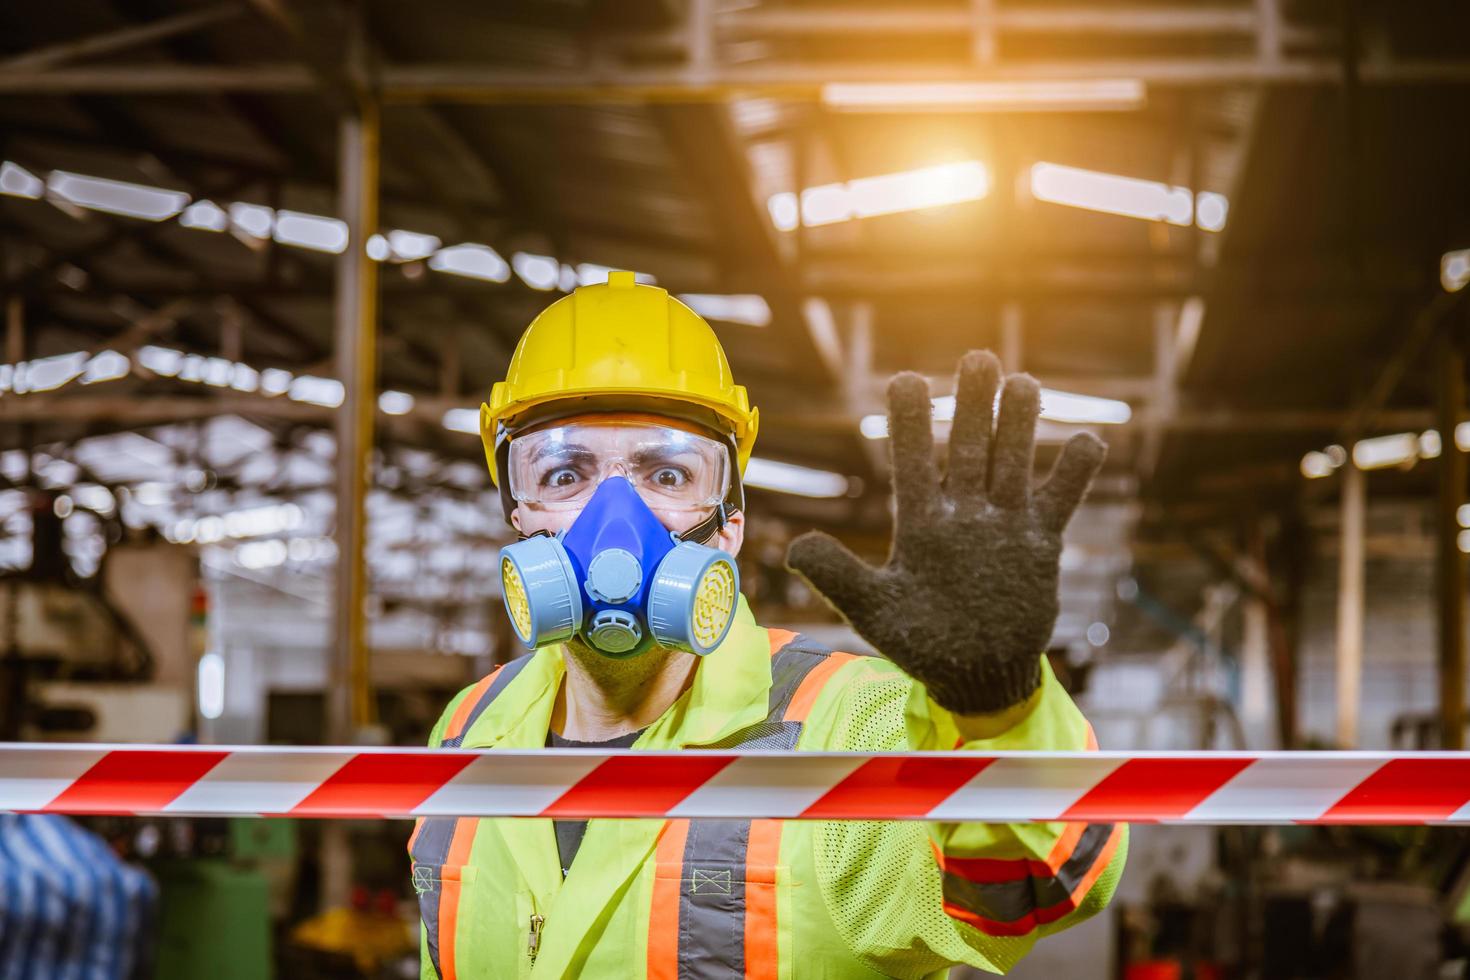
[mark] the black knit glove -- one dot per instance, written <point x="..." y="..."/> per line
<point x="968" y="598"/>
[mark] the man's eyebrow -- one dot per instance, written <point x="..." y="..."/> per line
<point x="563" y="450"/>
<point x="656" y="453"/>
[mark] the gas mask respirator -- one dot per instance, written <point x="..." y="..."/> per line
<point x="619" y="580"/>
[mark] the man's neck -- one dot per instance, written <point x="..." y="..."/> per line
<point x="602" y="698"/>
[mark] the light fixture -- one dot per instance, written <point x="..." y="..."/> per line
<point x="116" y="196"/>
<point x="1315" y="465"/>
<point x="411" y="246"/>
<point x="801" y="481"/>
<point x="395" y="402"/>
<point x="1062" y="95"/>
<point x="1056" y="406"/>
<point x="1382" y="451"/>
<point x="472" y="261"/>
<point x="311" y="231"/>
<point x="205" y="216"/>
<point x="1130" y="197"/>
<point x="251" y="220"/>
<point x="462" y="420"/>
<point x="17" y="181"/>
<point x="746" y="308"/>
<point x="867" y="197"/>
<point x="537" y="271"/>
<point x="1454" y="269"/>
<point x="327" y="392"/>
<point x="211" y="681"/>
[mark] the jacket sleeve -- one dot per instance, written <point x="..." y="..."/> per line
<point x="973" y="893"/>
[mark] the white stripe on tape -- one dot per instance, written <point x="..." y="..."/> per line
<point x="1286" y="788"/>
<point x="1011" y="788"/>
<point x="514" y="785"/>
<point x="32" y="779"/>
<point x="259" y="783"/>
<point x="765" y="784"/>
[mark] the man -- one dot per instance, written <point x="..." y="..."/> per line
<point x="617" y="442"/>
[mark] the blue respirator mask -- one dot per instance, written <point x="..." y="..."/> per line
<point x="617" y="577"/>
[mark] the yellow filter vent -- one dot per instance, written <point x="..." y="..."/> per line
<point x="516" y="602"/>
<point x="714" y="603"/>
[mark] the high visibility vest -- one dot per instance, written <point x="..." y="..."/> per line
<point x="746" y="898"/>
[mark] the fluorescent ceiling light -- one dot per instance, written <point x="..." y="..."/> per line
<point x="1454" y="269"/>
<point x="536" y="271"/>
<point x="106" y="366"/>
<point x="163" y="361"/>
<point x="1394" y="450"/>
<point x="116" y="196"/>
<point x="462" y="420"/>
<point x="1062" y="95"/>
<point x="472" y="261"/>
<point x="790" y="478"/>
<point x="746" y="308"/>
<point x="17" y="181"/>
<point x="395" y="402"/>
<point x="592" y="274"/>
<point x="1056" y="406"/>
<point x="252" y="220"/>
<point x="1316" y="465"/>
<point x="1130" y="197"/>
<point x="327" y="392"/>
<point x="205" y="216"/>
<point x="311" y="231"/>
<point x="867" y="197"/>
<point x="411" y="246"/>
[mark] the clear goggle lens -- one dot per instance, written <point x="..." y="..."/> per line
<point x="559" y="468"/>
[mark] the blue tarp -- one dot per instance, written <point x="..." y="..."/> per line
<point x="69" y="908"/>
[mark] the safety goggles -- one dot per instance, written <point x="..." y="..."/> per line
<point x="560" y="467"/>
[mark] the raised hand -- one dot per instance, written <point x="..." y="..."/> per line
<point x="968" y="598"/>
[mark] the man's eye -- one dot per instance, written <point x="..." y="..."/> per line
<point x="670" y="477"/>
<point x="563" y="477"/>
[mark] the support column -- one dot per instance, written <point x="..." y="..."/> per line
<point x="1012" y="343"/>
<point x="1350" y="605"/>
<point x="1450" y="562"/>
<point x="350" y="696"/>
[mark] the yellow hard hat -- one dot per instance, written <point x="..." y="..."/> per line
<point x="618" y="346"/>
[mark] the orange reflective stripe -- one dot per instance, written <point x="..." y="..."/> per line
<point x="762" y="854"/>
<point x="459" y="856"/>
<point x="462" y="713"/>
<point x="413" y="838"/>
<point x="663" y="914"/>
<point x="1099" y="866"/>
<point x="779" y="638"/>
<point x="811" y="686"/>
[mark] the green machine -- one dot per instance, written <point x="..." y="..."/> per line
<point x="215" y="912"/>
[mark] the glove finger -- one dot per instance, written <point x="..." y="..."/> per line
<point x="1058" y="497"/>
<point x="850" y="584"/>
<point x="1015" y="442"/>
<point x="911" y="438"/>
<point x="976" y="382"/>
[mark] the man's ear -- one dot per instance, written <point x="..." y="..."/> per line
<point x="515" y="520"/>
<point x="732" y="535"/>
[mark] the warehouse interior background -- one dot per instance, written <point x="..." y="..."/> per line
<point x="1231" y="239"/>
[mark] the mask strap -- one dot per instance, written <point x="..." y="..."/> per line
<point x="709" y="527"/>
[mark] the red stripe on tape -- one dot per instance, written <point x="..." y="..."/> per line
<point x="629" y="786"/>
<point x="135" y="781"/>
<point x="1154" y="789"/>
<point x="376" y="783"/>
<point x="897" y="787"/>
<point x="1405" y="790"/>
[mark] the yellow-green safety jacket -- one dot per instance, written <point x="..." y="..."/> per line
<point x="754" y="898"/>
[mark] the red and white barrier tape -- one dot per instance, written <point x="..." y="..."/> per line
<point x="1208" y="788"/>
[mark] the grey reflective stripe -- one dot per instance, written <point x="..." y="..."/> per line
<point x="1012" y="901"/>
<point x="712" y="900"/>
<point x="503" y="677"/>
<point x="430" y="850"/>
<point x="712" y="892"/>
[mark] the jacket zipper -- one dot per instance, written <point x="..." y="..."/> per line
<point x="533" y="941"/>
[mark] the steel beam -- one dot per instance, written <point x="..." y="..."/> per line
<point x="1349" y="670"/>
<point x="599" y="83"/>
<point x="356" y="349"/>
<point x="1449" y="560"/>
<point x="122" y="39"/>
